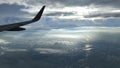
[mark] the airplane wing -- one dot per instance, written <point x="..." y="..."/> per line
<point x="16" y="26"/>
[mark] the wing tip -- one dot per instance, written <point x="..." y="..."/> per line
<point x="38" y="16"/>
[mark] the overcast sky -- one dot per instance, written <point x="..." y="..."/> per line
<point x="63" y="13"/>
<point x="64" y="21"/>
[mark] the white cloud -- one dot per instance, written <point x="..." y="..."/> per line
<point x="2" y="41"/>
<point x="50" y="51"/>
<point x="19" y="2"/>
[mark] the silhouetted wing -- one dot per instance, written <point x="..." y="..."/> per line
<point x="15" y="26"/>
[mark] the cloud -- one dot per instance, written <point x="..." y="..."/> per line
<point x="11" y="13"/>
<point x="50" y="51"/>
<point x="65" y="2"/>
<point x="114" y="3"/>
<point x="74" y="10"/>
<point x="60" y="14"/>
<point x="2" y="41"/>
<point x="104" y="44"/>
<point x="56" y="41"/>
<point x="81" y="9"/>
<point x="11" y="10"/>
<point x="104" y="15"/>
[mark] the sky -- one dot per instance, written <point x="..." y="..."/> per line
<point x="74" y="31"/>
<point x="62" y="13"/>
<point x="62" y="19"/>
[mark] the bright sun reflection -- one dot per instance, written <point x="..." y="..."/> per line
<point x="64" y="36"/>
<point x="88" y="47"/>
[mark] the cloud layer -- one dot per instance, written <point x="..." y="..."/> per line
<point x="72" y="13"/>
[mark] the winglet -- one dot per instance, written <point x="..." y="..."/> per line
<point x="38" y="16"/>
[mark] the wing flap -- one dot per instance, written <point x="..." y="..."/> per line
<point x="16" y="29"/>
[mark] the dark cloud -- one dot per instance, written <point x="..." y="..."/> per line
<point x="60" y="13"/>
<point x="11" y="13"/>
<point x="55" y="3"/>
<point x="103" y="15"/>
<point x="114" y="3"/>
<point x="11" y="10"/>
